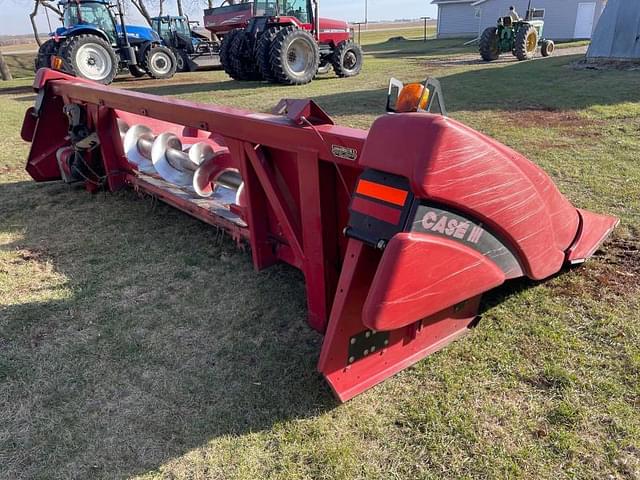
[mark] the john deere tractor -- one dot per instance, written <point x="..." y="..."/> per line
<point x="520" y="37"/>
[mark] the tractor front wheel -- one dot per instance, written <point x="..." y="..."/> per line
<point x="547" y="48"/>
<point x="90" y="57"/>
<point x="488" y="46"/>
<point x="159" y="62"/>
<point x="182" y="60"/>
<point x="43" y="59"/>
<point x="347" y="59"/>
<point x="526" y="42"/>
<point x="295" y="56"/>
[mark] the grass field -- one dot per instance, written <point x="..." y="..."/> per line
<point x="135" y="343"/>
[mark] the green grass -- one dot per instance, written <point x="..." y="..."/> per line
<point x="20" y="64"/>
<point x="134" y="343"/>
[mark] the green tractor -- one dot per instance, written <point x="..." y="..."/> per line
<point x="520" y="37"/>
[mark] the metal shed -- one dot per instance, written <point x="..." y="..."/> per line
<point x="617" y="35"/>
<point x="564" y="19"/>
<point x="456" y="18"/>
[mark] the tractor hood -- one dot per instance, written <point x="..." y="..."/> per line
<point x="140" y="33"/>
<point x="135" y="33"/>
<point x="328" y="24"/>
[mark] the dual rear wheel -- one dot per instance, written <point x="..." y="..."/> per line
<point x="285" y="55"/>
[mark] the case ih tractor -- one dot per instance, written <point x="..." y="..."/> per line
<point x="398" y="230"/>
<point x="521" y="38"/>
<point x="91" y="44"/>
<point x="283" y="41"/>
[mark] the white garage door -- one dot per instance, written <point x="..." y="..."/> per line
<point x="584" y="20"/>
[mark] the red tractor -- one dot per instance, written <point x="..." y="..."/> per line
<point x="282" y="41"/>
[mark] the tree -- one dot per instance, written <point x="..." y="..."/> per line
<point x="142" y="8"/>
<point x="5" y="73"/>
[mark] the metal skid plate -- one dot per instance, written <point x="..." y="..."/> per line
<point x="366" y="343"/>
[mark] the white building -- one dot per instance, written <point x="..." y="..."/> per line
<point x="563" y="19"/>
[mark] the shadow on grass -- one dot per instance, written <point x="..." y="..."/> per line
<point x="400" y="47"/>
<point x="162" y="337"/>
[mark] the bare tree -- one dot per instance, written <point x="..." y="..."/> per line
<point x="5" y="73"/>
<point x="142" y="8"/>
<point x="48" y="6"/>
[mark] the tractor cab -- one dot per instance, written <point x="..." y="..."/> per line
<point x="88" y="14"/>
<point x="174" y="30"/>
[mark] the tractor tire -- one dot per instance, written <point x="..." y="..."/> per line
<point x="182" y="60"/>
<point x="137" y="71"/>
<point x="243" y="59"/>
<point x="488" y="45"/>
<point x="295" y="56"/>
<point x="547" y="48"/>
<point x="263" y="53"/>
<point x="347" y="59"/>
<point x="225" y="52"/>
<point x="91" y="57"/>
<point x="160" y="62"/>
<point x="526" y="43"/>
<point x="43" y="59"/>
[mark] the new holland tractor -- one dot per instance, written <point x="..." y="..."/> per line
<point x="520" y="37"/>
<point x="91" y="44"/>
<point x="282" y="41"/>
<point x="191" y="49"/>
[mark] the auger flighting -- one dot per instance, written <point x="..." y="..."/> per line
<point x="201" y="167"/>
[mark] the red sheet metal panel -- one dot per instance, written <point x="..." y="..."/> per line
<point x="420" y="275"/>
<point x="594" y="229"/>
<point x="450" y="163"/>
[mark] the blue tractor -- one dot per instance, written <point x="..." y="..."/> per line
<point x="191" y="49"/>
<point x="91" y="44"/>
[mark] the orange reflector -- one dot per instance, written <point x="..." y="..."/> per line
<point x="382" y="192"/>
<point x="410" y="98"/>
<point x="56" y="63"/>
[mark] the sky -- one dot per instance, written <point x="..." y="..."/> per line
<point x="15" y="13"/>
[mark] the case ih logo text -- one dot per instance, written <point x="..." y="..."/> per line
<point x="344" y="152"/>
<point x="451" y="227"/>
